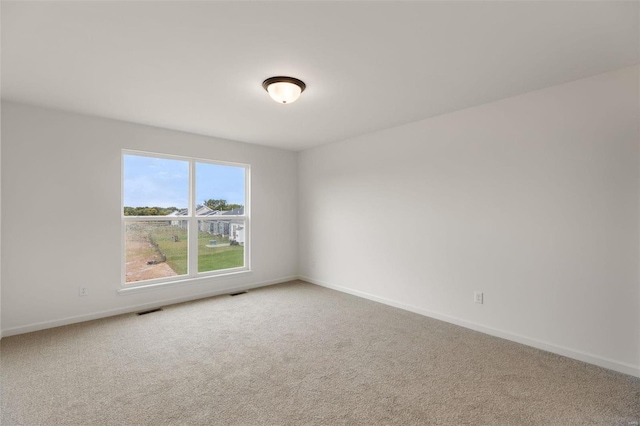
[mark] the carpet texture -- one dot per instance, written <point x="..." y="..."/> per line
<point x="294" y="354"/>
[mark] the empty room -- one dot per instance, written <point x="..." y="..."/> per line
<point x="320" y="213"/>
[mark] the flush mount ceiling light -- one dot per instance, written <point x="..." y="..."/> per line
<point x="284" y="90"/>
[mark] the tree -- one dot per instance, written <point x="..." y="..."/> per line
<point x="214" y="204"/>
<point x="148" y="211"/>
<point x="221" y="205"/>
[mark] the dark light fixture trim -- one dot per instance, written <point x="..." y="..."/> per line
<point x="283" y="79"/>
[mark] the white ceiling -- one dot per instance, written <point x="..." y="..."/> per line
<point x="198" y="66"/>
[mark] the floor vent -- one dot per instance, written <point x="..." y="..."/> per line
<point x="238" y="293"/>
<point x="149" y="312"/>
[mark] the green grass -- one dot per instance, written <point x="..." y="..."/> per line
<point x="220" y="258"/>
<point x="175" y="251"/>
<point x="216" y="258"/>
<point x="209" y="258"/>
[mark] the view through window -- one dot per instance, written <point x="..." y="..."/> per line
<point x="182" y="217"/>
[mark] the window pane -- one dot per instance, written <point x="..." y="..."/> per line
<point x="155" y="249"/>
<point x="219" y="189"/>
<point x="155" y="186"/>
<point x="220" y="244"/>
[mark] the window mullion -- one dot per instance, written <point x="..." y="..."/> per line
<point x="193" y="222"/>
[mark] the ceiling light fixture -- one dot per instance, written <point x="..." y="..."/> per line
<point x="284" y="90"/>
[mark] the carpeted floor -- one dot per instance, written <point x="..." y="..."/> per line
<point x="294" y="354"/>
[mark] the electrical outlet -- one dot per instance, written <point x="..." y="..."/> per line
<point x="478" y="297"/>
<point x="83" y="291"/>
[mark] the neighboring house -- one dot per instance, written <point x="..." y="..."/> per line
<point x="236" y="227"/>
<point x="177" y="221"/>
<point x="233" y="229"/>
<point x="236" y="232"/>
<point x="176" y="213"/>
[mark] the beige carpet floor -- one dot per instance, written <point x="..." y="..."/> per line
<point x="294" y="354"/>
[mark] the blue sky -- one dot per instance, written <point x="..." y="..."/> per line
<point x="161" y="182"/>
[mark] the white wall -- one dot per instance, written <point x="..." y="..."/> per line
<point x="61" y="214"/>
<point x="0" y="223"/>
<point x="533" y="200"/>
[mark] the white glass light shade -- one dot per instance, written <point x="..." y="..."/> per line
<point x="284" y="92"/>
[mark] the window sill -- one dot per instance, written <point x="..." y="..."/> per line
<point x="177" y="283"/>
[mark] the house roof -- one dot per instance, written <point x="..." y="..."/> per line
<point x="236" y="211"/>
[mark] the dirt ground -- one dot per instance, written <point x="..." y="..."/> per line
<point x="139" y="251"/>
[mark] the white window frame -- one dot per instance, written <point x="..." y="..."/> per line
<point x="191" y="218"/>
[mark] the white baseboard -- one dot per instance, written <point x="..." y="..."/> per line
<point x="126" y="310"/>
<point x="621" y="367"/>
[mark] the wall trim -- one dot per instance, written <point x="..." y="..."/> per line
<point x="599" y="361"/>
<point x="132" y="289"/>
<point x="129" y="309"/>
<point x="621" y="367"/>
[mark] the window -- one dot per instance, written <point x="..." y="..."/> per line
<point x="182" y="218"/>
